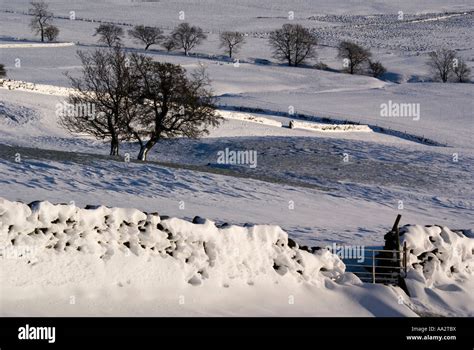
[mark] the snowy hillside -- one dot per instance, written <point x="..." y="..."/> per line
<point x="305" y="155"/>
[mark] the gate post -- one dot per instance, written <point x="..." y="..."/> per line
<point x="405" y="258"/>
<point x="373" y="266"/>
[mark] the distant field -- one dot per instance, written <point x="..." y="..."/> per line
<point x="239" y="14"/>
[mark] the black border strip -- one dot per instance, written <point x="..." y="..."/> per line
<point x="371" y="332"/>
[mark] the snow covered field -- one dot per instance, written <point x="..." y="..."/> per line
<point x="319" y="183"/>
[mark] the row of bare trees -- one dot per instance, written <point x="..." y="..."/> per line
<point x="184" y="37"/>
<point x="292" y="43"/>
<point x="138" y="99"/>
<point x="445" y="65"/>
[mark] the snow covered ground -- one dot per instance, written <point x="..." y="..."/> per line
<point x="316" y="186"/>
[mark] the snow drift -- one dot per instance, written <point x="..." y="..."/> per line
<point x="61" y="260"/>
<point x="441" y="270"/>
<point x="119" y="261"/>
<point x="200" y="249"/>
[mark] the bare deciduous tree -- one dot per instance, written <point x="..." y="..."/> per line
<point x="232" y="41"/>
<point x="51" y="32"/>
<point x="109" y="34"/>
<point x="376" y="69"/>
<point x="461" y="71"/>
<point x="355" y="55"/>
<point x="41" y="17"/>
<point x="105" y="84"/>
<point x="441" y="63"/>
<point x="147" y="35"/>
<point x="293" y="43"/>
<point x="172" y="103"/>
<point x="186" y="37"/>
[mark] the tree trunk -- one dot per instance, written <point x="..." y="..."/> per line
<point x="142" y="154"/>
<point x="147" y="46"/>
<point x="114" y="147"/>
<point x="144" y="150"/>
<point x="230" y="52"/>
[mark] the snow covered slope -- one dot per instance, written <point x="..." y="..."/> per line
<point x="381" y="171"/>
<point x="318" y="187"/>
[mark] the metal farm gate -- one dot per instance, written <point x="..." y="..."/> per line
<point x="387" y="265"/>
<point x="379" y="266"/>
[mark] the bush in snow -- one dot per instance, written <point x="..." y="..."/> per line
<point x="51" y="32"/>
<point x="293" y="43"/>
<point x="376" y="69"/>
<point x="321" y="66"/>
<point x="169" y="44"/>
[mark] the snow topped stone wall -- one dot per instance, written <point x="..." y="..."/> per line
<point x="50" y="252"/>
<point x="32" y="87"/>
<point x="440" y="276"/>
<point x="246" y="117"/>
<point x="201" y="250"/>
<point x="438" y="254"/>
<point x="322" y="127"/>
